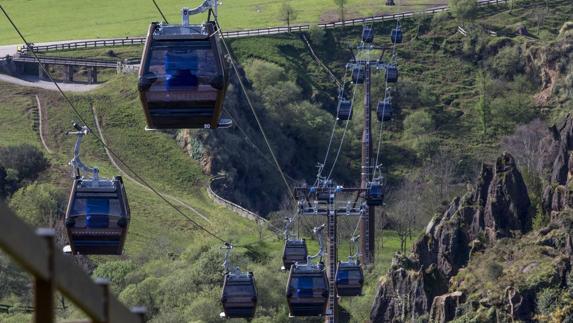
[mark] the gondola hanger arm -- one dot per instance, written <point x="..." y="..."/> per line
<point x="207" y="5"/>
<point x="76" y="162"/>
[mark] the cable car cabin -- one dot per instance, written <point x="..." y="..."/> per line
<point x="239" y="296"/>
<point x="396" y="35"/>
<point x="307" y="290"/>
<point x="182" y="79"/>
<point x="344" y="109"/>
<point x="97" y="217"/>
<point x="374" y="194"/>
<point x="392" y="73"/>
<point x="367" y="34"/>
<point x="358" y="74"/>
<point x="349" y="279"/>
<point x="294" y="251"/>
<point x="384" y="110"/>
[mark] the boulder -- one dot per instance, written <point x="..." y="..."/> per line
<point x="444" y="307"/>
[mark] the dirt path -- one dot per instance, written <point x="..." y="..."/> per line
<point x="42" y="117"/>
<point x="113" y="162"/>
<point x="34" y="82"/>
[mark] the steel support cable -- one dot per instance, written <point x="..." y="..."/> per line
<point x="78" y="114"/>
<point x="251" y="106"/>
<point x="333" y="129"/>
<point x="346" y="126"/>
<point x="160" y="12"/>
<point x="252" y="143"/>
<point x="393" y="60"/>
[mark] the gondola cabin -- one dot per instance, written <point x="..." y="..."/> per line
<point x="344" y="109"/>
<point x="239" y="296"/>
<point x="307" y="290"/>
<point x="384" y="110"/>
<point x="349" y="279"/>
<point x="396" y="35"/>
<point x="97" y="217"/>
<point x="358" y="74"/>
<point x="183" y="77"/>
<point x="367" y="34"/>
<point x="391" y="73"/>
<point x="294" y="251"/>
<point x="374" y="193"/>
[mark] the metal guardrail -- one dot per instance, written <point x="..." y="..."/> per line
<point x="251" y="32"/>
<point x="36" y="253"/>
<point x="239" y="209"/>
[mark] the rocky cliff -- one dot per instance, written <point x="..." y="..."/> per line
<point x="496" y="208"/>
<point x="481" y="261"/>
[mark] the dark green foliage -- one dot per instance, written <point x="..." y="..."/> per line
<point x="28" y="160"/>
<point x="493" y="270"/>
<point x="507" y="63"/>
<point x="548" y="299"/>
<point x="463" y="9"/>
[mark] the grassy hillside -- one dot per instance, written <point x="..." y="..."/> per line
<point x="61" y="20"/>
<point x="162" y="248"/>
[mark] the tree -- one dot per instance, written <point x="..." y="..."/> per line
<point x="38" y="204"/>
<point x="463" y="9"/>
<point x="340" y="4"/>
<point x="287" y="13"/>
<point x="28" y="160"/>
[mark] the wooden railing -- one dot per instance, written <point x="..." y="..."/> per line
<point x="251" y="32"/>
<point x="36" y="253"/>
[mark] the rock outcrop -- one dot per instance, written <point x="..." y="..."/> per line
<point x="444" y="307"/>
<point x="497" y="207"/>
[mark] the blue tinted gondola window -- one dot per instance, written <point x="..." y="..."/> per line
<point x="245" y="290"/>
<point x="302" y="284"/>
<point x="182" y="65"/>
<point x="346" y="275"/>
<point x="88" y="206"/>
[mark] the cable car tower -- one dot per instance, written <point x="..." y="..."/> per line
<point x="321" y="198"/>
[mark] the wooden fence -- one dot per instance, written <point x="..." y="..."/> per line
<point x="51" y="269"/>
<point x="251" y="32"/>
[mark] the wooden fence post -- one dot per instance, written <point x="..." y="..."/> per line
<point x="104" y="284"/>
<point x="140" y="312"/>
<point x="44" y="289"/>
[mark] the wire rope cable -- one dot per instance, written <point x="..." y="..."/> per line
<point x="251" y="106"/>
<point x="78" y="114"/>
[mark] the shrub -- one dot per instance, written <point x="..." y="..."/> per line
<point x="493" y="270"/>
<point x="507" y="63"/>
<point x="418" y="123"/>
<point x="316" y="34"/>
<point x="463" y="9"/>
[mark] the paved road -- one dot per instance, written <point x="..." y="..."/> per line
<point x="34" y="82"/>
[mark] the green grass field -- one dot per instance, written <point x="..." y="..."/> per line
<point x="156" y="229"/>
<point x="51" y="20"/>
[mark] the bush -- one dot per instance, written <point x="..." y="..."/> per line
<point x="26" y="159"/>
<point x="507" y="63"/>
<point x="316" y="34"/>
<point x="547" y="300"/>
<point x="418" y="123"/>
<point x="463" y="9"/>
<point x="493" y="270"/>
